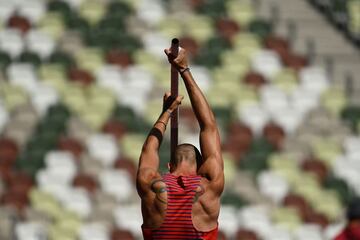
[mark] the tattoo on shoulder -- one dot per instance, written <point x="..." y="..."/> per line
<point x="198" y="192"/>
<point x="160" y="188"/>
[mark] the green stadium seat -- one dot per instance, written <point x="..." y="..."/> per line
<point x="114" y="23"/>
<point x="127" y="116"/>
<point x="229" y="198"/>
<point x="29" y="57"/>
<point x="119" y="9"/>
<point x="260" y="28"/>
<point x="351" y="115"/>
<point x="63" y="59"/>
<point x="5" y="60"/>
<point x="212" y="8"/>
<point x="61" y="7"/>
<point x="210" y="54"/>
<point x="253" y="162"/>
<point x="77" y="23"/>
<point x="343" y="191"/>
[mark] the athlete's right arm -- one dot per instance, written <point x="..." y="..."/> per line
<point x="212" y="166"/>
<point x="149" y="160"/>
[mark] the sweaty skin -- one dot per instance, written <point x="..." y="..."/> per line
<point x="151" y="188"/>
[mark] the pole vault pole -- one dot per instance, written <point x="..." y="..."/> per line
<point x="174" y="93"/>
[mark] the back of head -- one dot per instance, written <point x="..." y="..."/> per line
<point x="353" y="212"/>
<point x="188" y="153"/>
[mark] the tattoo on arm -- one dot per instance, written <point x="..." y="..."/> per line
<point x="198" y="192"/>
<point x="159" y="190"/>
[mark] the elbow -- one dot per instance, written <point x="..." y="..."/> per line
<point x="208" y="122"/>
<point x="209" y="125"/>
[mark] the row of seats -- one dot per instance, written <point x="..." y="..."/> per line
<point x="81" y="88"/>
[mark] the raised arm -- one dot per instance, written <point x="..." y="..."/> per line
<point x="212" y="166"/>
<point x="149" y="158"/>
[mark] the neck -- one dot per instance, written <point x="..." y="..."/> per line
<point x="184" y="169"/>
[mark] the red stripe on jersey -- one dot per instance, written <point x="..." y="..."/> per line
<point x="178" y="223"/>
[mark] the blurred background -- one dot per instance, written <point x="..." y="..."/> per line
<point x="81" y="83"/>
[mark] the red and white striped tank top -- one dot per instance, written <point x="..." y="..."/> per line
<point x="178" y="223"/>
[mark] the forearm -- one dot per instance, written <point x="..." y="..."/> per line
<point x="153" y="140"/>
<point x="149" y="158"/>
<point x="198" y="101"/>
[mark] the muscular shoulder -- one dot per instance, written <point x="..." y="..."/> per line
<point x="158" y="186"/>
<point x="213" y="176"/>
<point x="145" y="178"/>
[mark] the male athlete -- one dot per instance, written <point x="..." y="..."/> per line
<point x="184" y="203"/>
<point x="352" y="229"/>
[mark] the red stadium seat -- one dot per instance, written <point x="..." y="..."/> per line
<point x="85" y="181"/>
<point x="243" y="234"/>
<point x="119" y="58"/>
<point x="72" y="145"/>
<point x="120" y="234"/>
<point x="20" y="23"/>
<point x="317" y="167"/>
<point x="239" y="140"/>
<point x="227" y="28"/>
<point x="254" y="79"/>
<point x="295" y="61"/>
<point x="299" y="203"/>
<point x="190" y="44"/>
<point x="8" y="151"/>
<point x="81" y="76"/>
<point x="114" y="127"/>
<point x="274" y="134"/>
<point x="126" y="164"/>
<point x="317" y="218"/>
<point x="18" y="187"/>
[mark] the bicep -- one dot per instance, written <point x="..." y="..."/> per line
<point x="210" y="145"/>
<point x="213" y="165"/>
<point x="213" y="171"/>
<point x="144" y="178"/>
<point x="147" y="170"/>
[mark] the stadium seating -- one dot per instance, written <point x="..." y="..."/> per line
<point x="81" y="83"/>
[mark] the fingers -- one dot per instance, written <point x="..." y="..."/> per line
<point x="180" y="98"/>
<point x="166" y="95"/>
<point x="167" y="51"/>
<point x="169" y="54"/>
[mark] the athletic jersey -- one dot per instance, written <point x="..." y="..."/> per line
<point x="349" y="233"/>
<point x="178" y="223"/>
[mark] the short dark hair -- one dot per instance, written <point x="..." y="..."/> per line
<point x="184" y="149"/>
<point x="353" y="211"/>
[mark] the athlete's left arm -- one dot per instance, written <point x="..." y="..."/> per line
<point x="149" y="158"/>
